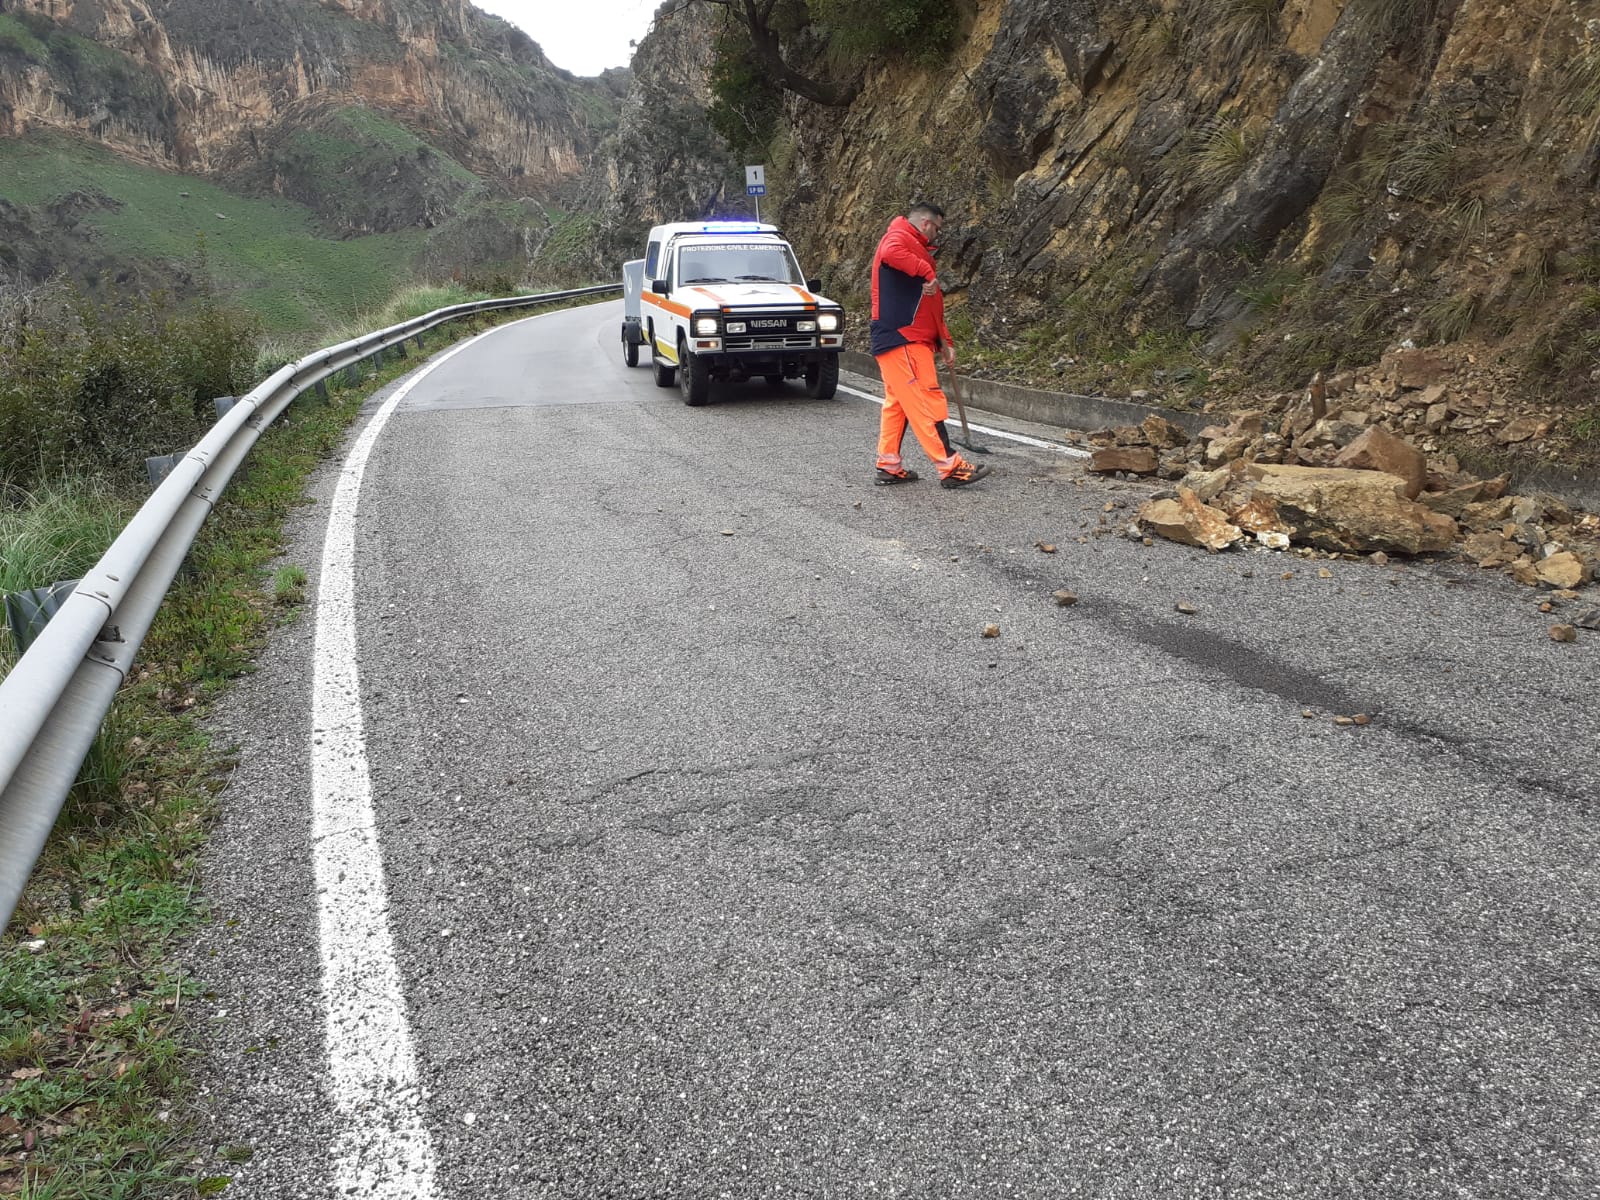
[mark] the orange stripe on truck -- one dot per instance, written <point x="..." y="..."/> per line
<point x="663" y="302"/>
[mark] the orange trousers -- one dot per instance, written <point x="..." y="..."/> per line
<point x="912" y="396"/>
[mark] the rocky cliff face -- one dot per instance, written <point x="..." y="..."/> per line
<point x="194" y="85"/>
<point x="665" y="163"/>
<point x="1230" y="191"/>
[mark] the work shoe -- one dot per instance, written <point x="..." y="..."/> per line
<point x="964" y="474"/>
<point x="887" y="478"/>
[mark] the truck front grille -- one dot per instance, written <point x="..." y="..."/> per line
<point x="780" y="341"/>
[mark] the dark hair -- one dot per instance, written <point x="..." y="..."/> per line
<point x="926" y="206"/>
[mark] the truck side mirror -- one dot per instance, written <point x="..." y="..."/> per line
<point x="813" y="285"/>
<point x="661" y="287"/>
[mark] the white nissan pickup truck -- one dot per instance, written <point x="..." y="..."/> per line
<point x="725" y="300"/>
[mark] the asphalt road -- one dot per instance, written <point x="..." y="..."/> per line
<point x="726" y="858"/>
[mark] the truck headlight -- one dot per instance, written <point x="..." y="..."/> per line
<point x="805" y="326"/>
<point x="828" y="322"/>
<point x="736" y="327"/>
<point x="705" y="327"/>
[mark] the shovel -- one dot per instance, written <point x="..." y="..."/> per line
<point x="965" y="440"/>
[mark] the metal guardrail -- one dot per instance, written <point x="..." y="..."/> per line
<point x="53" y="701"/>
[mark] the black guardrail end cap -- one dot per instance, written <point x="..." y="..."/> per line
<point x="29" y="611"/>
<point x="159" y="467"/>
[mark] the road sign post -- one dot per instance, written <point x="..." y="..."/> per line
<point x="755" y="184"/>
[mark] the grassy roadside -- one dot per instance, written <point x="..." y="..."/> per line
<point x="92" y="1008"/>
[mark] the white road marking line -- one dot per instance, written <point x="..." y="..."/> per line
<point x="382" y="1150"/>
<point x="986" y="430"/>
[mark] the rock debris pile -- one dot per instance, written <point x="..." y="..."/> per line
<point x="1328" y="472"/>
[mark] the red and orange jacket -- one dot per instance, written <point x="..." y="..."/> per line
<point x="901" y="314"/>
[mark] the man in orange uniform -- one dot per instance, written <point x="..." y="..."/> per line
<point x="907" y="327"/>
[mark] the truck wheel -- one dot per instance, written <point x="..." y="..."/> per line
<point x="822" y="377"/>
<point x="694" y="377"/>
<point x="630" y="349"/>
<point x="666" y="374"/>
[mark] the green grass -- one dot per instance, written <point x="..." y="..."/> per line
<point x="1212" y="155"/>
<point x="1450" y="318"/>
<point x="19" y="39"/>
<point x="267" y="255"/>
<point x="1425" y="164"/>
<point x="1242" y="26"/>
<point x="415" y="301"/>
<point x="355" y="133"/>
<point x="289" y="586"/>
<point x="58" y="531"/>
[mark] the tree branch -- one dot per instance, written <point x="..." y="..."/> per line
<point x="768" y="53"/>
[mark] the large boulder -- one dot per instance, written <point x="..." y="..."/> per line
<point x="1379" y="450"/>
<point x="1352" y="511"/>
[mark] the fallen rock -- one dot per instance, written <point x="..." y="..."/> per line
<point x="1588" y="620"/>
<point x="1488" y="514"/>
<point x="1250" y="424"/>
<point x="1556" y="511"/>
<point x="1525" y="571"/>
<point x="1352" y="511"/>
<point x="1417" y="369"/>
<point x="1136" y="460"/>
<point x="1226" y="449"/>
<point x="1162" y="433"/>
<point x="1521" y="430"/>
<point x="1490" y="550"/>
<point x="1186" y="608"/>
<point x="1563" y="570"/>
<point x="991" y="631"/>
<point x="1258" y="515"/>
<point x="1208" y="485"/>
<point x="1563" y="633"/>
<point x="1379" y="450"/>
<point x="1064" y="599"/>
<point x="1329" y="433"/>
<point x="1526" y="510"/>
<point x="1455" y="501"/>
<point x="1189" y="522"/>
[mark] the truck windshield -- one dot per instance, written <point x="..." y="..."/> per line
<point x="750" y="262"/>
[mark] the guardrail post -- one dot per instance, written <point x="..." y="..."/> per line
<point x="28" y="612"/>
<point x="352" y="374"/>
<point x="159" y="467"/>
<point x="320" y="390"/>
<point x="223" y="403"/>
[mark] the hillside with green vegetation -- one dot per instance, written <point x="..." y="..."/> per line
<point x="126" y="222"/>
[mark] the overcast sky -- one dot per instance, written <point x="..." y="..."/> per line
<point x="582" y="36"/>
